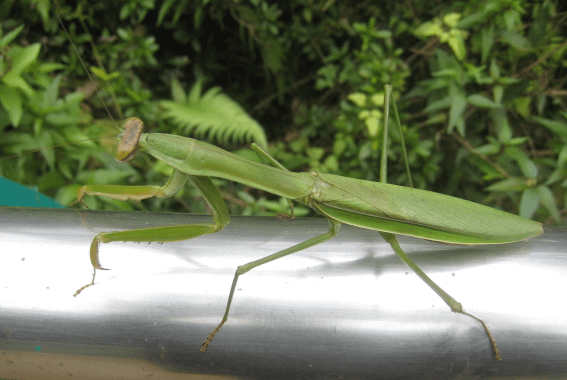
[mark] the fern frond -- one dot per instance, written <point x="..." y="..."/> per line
<point x="212" y="116"/>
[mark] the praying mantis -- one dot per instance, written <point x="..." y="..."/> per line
<point x="388" y="209"/>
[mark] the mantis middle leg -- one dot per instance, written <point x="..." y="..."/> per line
<point x="333" y="229"/>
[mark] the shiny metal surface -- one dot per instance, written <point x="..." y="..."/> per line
<point x="347" y="308"/>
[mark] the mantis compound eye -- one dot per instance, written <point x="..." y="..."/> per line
<point x="129" y="139"/>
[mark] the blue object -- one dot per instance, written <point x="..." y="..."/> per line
<point x="15" y="194"/>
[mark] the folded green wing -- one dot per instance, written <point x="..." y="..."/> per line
<point x="419" y="213"/>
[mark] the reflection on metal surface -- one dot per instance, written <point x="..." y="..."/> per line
<point x="346" y="308"/>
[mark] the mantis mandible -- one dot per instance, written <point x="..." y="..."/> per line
<point x="388" y="209"/>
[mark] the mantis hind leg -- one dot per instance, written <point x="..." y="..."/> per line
<point x="333" y="229"/>
<point x="391" y="238"/>
<point x="158" y="234"/>
<point x="450" y="301"/>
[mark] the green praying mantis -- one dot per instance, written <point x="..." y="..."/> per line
<point x="386" y="208"/>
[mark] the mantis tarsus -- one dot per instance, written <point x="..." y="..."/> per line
<point x="388" y="209"/>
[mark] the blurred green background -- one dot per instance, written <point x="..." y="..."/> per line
<point x="480" y="86"/>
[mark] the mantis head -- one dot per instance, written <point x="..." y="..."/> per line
<point x="129" y="139"/>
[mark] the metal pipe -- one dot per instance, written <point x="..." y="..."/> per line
<point x="347" y="308"/>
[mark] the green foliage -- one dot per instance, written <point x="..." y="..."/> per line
<point x="212" y="115"/>
<point x="496" y="93"/>
<point x="479" y="86"/>
<point x="34" y="117"/>
<point x="446" y="29"/>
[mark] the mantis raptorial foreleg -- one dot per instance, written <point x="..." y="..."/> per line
<point x="135" y="193"/>
<point x="157" y="234"/>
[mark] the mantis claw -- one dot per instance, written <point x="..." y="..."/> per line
<point x="81" y="289"/>
<point x="80" y="196"/>
<point x="86" y="286"/>
<point x="488" y="333"/>
<point x="209" y="339"/>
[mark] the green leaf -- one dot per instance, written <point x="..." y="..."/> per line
<point x="558" y="127"/>
<point x="487" y="37"/>
<point x="331" y="164"/>
<point x="10" y="36"/>
<point x="438" y="105"/>
<point x="339" y="145"/>
<point x="529" y="203"/>
<point x="452" y="73"/>
<point x="494" y="70"/>
<point x="508" y="184"/>
<point x="315" y="153"/>
<point x="522" y="105"/>
<point x="102" y="74"/>
<point x="52" y="91"/>
<point x="18" y="82"/>
<point x="517" y="141"/>
<point x="508" y="81"/>
<point x="429" y="29"/>
<point x="562" y="157"/>
<point x="481" y="101"/>
<point x="488" y="149"/>
<point x="22" y="58"/>
<point x="458" y="104"/>
<point x="49" y="67"/>
<point x="515" y="40"/>
<point x="373" y="126"/>
<point x="452" y="19"/>
<point x="357" y="98"/>
<point x="378" y="99"/>
<point x="12" y="102"/>
<point x="539" y="25"/>
<point x="527" y="166"/>
<point x="177" y="92"/>
<point x="457" y="43"/>
<point x="503" y="130"/>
